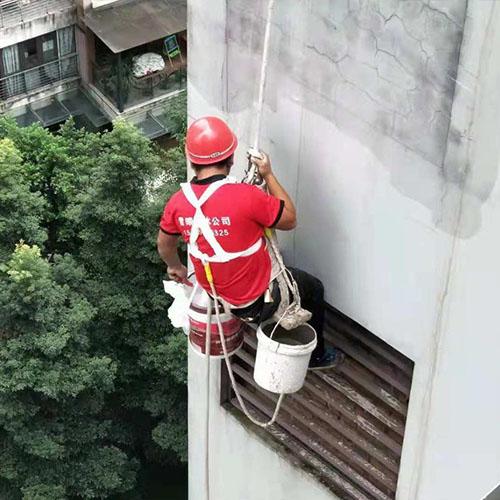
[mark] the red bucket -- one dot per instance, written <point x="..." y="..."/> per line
<point x="231" y="326"/>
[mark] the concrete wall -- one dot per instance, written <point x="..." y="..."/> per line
<point x="96" y="4"/>
<point x="381" y="118"/>
<point x="38" y="27"/>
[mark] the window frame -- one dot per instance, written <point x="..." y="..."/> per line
<point x="38" y="42"/>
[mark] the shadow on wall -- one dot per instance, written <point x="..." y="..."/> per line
<point x="494" y="495"/>
<point x="383" y="72"/>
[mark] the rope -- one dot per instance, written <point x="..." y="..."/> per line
<point x="263" y="73"/>
<point x="208" y="337"/>
<point x="250" y="178"/>
<point x="251" y="173"/>
<point x="215" y="298"/>
<point x="289" y="280"/>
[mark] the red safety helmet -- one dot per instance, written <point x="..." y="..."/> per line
<point x="209" y="140"/>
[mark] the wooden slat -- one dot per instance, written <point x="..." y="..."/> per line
<point x="343" y="426"/>
<point x="346" y="388"/>
<point x="365" y="422"/>
<point x="370" y="361"/>
<point x="336" y="321"/>
<point x="327" y="436"/>
<point x="251" y="341"/>
<point x="246" y="357"/>
<point x="302" y="456"/>
<point x="306" y="406"/>
<point x="378" y="388"/>
<point x="327" y="455"/>
<point x="343" y="386"/>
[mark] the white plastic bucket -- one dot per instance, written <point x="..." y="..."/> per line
<point x="281" y="363"/>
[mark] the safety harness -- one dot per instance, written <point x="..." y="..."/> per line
<point x="290" y="314"/>
<point x="201" y="226"/>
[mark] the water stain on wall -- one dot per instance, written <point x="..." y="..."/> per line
<point x="382" y="71"/>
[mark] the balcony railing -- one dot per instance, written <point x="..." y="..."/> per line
<point x="35" y="79"/>
<point x="131" y="91"/>
<point x="13" y="12"/>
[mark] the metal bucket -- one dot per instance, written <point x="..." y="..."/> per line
<point x="281" y="363"/>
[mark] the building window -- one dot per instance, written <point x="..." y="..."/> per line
<point x="30" y="54"/>
<point x="37" y="62"/>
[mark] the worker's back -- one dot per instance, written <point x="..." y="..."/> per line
<point x="237" y="215"/>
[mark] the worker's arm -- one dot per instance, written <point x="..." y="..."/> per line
<point x="167" y="248"/>
<point x="288" y="219"/>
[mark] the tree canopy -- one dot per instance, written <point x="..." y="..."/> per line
<point x="92" y="375"/>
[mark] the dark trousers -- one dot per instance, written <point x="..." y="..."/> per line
<point x="312" y="298"/>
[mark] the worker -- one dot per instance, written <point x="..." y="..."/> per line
<point x="224" y="223"/>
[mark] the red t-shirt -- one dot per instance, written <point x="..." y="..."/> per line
<point x="238" y="214"/>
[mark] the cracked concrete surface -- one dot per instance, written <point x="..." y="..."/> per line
<point x="400" y="57"/>
<point x="382" y="71"/>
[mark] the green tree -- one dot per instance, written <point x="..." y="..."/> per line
<point x="52" y="388"/>
<point x="176" y="114"/>
<point x="93" y="377"/>
<point x="20" y="209"/>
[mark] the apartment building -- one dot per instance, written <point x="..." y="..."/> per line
<point x="381" y="118"/>
<point x="94" y="61"/>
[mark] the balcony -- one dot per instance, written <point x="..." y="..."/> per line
<point x="115" y="76"/>
<point x="14" y="12"/>
<point x="37" y="79"/>
<point x="141" y="65"/>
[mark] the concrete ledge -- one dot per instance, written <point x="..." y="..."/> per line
<point x="104" y="4"/>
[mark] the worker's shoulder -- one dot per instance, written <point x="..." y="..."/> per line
<point x="175" y="197"/>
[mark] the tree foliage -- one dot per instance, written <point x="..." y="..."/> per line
<point x="92" y="375"/>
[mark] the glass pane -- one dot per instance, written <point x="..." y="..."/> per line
<point x="66" y="41"/>
<point x="30" y="53"/>
<point x="26" y="118"/>
<point x="49" y="50"/>
<point x="34" y="79"/>
<point x="10" y="60"/>
<point x="78" y="104"/>
<point x="150" y="127"/>
<point x="69" y="67"/>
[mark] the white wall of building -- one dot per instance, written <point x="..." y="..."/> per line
<point x="382" y="120"/>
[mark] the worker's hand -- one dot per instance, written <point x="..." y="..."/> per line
<point x="263" y="165"/>
<point x="178" y="274"/>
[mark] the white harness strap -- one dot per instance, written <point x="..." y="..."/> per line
<point x="201" y="226"/>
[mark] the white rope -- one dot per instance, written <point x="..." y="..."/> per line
<point x="289" y="279"/>
<point x="230" y="369"/>
<point x="262" y="86"/>
<point x="251" y="176"/>
<point x="263" y="73"/>
<point x="208" y="337"/>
